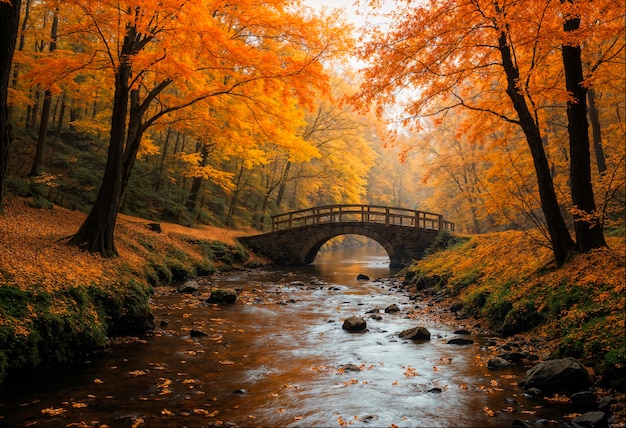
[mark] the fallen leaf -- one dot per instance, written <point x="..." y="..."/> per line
<point x="52" y="411"/>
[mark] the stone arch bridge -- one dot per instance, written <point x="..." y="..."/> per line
<point x="297" y="236"/>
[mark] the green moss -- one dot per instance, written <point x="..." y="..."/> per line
<point x="521" y="317"/>
<point x="14" y="301"/>
<point x="445" y="240"/>
<point x="221" y="252"/>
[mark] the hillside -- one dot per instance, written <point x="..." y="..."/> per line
<point x="508" y="281"/>
<point x="58" y="303"/>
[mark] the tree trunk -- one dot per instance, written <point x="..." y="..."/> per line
<point x="35" y="109"/>
<point x="137" y="127"/>
<point x="97" y="232"/>
<point x="594" y="117"/>
<point x="161" y="167"/>
<point x="233" y="202"/>
<point x="196" y="185"/>
<point x="57" y="133"/>
<point x="283" y="185"/>
<point x="562" y="244"/>
<point x="9" y="22"/>
<point x="587" y="225"/>
<point x="45" y="108"/>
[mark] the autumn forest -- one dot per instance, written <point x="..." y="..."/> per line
<point x="502" y="115"/>
<point x="221" y="114"/>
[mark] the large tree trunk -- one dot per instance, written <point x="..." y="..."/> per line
<point x="97" y="232"/>
<point x="9" y="22"/>
<point x="562" y="244"/>
<point x="587" y="225"/>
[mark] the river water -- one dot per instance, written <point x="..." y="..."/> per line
<point x="279" y="357"/>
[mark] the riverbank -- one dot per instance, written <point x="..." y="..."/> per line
<point x="506" y="283"/>
<point x="59" y="304"/>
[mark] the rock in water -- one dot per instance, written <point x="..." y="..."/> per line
<point x="460" y="341"/>
<point x="362" y="277"/>
<point x="297" y="284"/>
<point x="585" y="400"/>
<point x="415" y="333"/>
<point x="392" y="309"/>
<point x="354" y="324"/>
<point x="189" y="287"/>
<point x="222" y="295"/>
<point x="498" y="363"/>
<point x="559" y="375"/>
<point x="591" y="419"/>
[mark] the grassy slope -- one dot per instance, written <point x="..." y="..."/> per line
<point x="508" y="280"/>
<point x="58" y="303"/>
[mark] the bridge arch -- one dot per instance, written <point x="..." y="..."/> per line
<point x="313" y="245"/>
<point x="297" y="236"/>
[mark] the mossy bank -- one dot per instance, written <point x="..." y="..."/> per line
<point x="508" y="281"/>
<point x="59" y="304"/>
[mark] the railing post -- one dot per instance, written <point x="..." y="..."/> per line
<point x="387" y="216"/>
<point x="440" y="222"/>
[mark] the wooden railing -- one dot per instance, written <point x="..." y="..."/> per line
<point x="362" y="214"/>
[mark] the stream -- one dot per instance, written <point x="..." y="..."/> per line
<point x="279" y="357"/>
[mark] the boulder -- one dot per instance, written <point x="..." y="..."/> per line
<point x="462" y="332"/>
<point x="415" y="333"/>
<point x="189" y="287"/>
<point x="498" y="363"/>
<point x="392" y="309"/>
<point x="197" y="333"/>
<point x="354" y="324"/>
<point x="592" y="420"/>
<point x="456" y="307"/>
<point x="604" y="404"/>
<point x="362" y="277"/>
<point x="222" y="295"/>
<point x="558" y="375"/>
<point x="512" y="356"/>
<point x="586" y="400"/>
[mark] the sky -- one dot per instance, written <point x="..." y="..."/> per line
<point x="350" y="9"/>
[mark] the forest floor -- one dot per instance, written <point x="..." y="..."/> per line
<point x="33" y="242"/>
